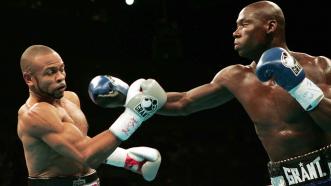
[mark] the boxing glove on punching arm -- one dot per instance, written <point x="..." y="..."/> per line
<point x="142" y="160"/>
<point x="278" y="64"/>
<point x="108" y="91"/>
<point x="144" y="98"/>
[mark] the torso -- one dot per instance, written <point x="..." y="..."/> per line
<point x="41" y="160"/>
<point x="283" y="127"/>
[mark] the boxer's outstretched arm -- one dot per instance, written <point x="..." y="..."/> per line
<point x="203" y="97"/>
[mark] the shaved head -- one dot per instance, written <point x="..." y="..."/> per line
<point x="43" y="71"/>
<point x="28" y="56"/>
<point x="260" y="25"/>
<point x="267" y="10"/>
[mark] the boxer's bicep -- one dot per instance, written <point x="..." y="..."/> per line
<point x="207" y="96"/>
<point x="212" y="94"/>
<point x="202" y="97"/>
<point x="60" y="143"/>
<point x="44" y="123"/>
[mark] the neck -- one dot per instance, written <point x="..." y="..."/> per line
<point x="40" y="98"/>
<point x="274" y="43"/>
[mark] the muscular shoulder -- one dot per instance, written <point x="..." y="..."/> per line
<point x="317" y="68"/>
<point x="325" y="65"/>
<point x="305" y="59"/>
<point x="72" y="96"/>
<point x="39" y="118"/>
<point x="234" y="73"/>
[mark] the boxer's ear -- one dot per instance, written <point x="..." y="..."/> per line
<point x="271" y="26"/>
<point x="27" y="78"/>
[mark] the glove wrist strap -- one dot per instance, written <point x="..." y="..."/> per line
<point x="126" y="124"/>
<point x="308" y="94"/>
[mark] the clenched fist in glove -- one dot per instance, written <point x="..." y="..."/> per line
<point x="142" y="160"/>
<point x="276" y="63"/>
<point x="108" y="91"/>
<point x="144" y="99"/>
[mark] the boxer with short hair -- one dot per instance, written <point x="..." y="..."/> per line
<point x="53" y="128"/>
<point x="286" y="94"/>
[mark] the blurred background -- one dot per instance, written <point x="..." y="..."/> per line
<point x="182" y="44"/>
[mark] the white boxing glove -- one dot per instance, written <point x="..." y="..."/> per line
<point x="142" y="160"/>
<point x="144" y="99"/>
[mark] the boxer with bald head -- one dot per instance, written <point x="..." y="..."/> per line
<point x="286" y="94"/>
<point x="53" y="128"/>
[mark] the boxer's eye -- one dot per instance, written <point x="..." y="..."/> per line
<point x="50" y="71"/>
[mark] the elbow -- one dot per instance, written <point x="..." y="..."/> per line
<point x="91" y="163"/>
<point x="89" y="160"/>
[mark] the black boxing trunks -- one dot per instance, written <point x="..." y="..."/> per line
<point x="306" y="170"/>
<point x="87" y="180"/>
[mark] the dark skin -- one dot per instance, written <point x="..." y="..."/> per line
<point x="51" y="125"/>
<point x="285" y="129"/>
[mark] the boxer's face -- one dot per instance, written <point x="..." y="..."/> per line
<point x="250" y="35"/>
<point x="48" y="75"/>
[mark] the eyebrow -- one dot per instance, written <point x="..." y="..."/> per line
<point x="240" y="21"/>
<point x="53" y="67"/>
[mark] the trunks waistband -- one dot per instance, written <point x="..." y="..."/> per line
<point x="303" y="169"/>
<point x="63" y="181"/>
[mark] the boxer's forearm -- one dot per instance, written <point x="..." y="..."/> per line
<point x="203" y="97"/>
<point x="175" y="104"/>
<point x="96" y="150"/>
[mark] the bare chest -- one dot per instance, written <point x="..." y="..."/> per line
<point x="267" y="102"/>
<point x="70" y="113"/>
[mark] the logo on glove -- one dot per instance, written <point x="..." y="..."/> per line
<point x="147" y="106"/>
<point x="291" y="63"/>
